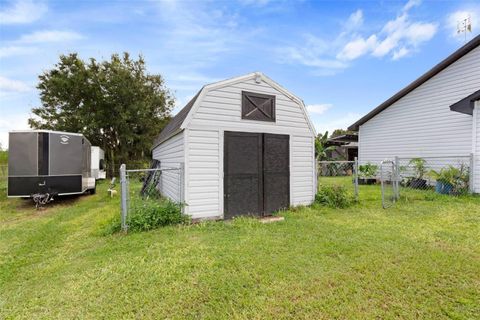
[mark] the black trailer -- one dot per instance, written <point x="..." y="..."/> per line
<point x="47" y="163"/>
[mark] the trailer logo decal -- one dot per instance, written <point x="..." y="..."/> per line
<point x="64" y="139"/>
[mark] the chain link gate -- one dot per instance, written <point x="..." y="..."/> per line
<point x="389" y="183"/>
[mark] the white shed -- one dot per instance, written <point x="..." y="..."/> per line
<point x="420" y="120"/>
<point x="247" y="147"/>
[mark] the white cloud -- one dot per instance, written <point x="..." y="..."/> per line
<point x="398" y="37"/>
<point x="400" y="53"/>
<point x="50" y="36"/>
<point x="10" y="85"/>
<point x="22" y="11"/>
<point x="410" y="4"/>
<point x="455" y="17"/>
<point x="357" y="48"/>
<point x="339" y="122"/>
<point x="355" y="20"/>
<point x="314" y="52"/>
<point x="16" y="51"/>
<point x="319" y="108"/>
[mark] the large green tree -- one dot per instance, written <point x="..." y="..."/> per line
<point x="115" y="103"/>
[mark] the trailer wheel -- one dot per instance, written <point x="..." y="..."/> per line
<point x="94" y="190"/>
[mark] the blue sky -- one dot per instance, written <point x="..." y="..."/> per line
<point x="341" y="58"/>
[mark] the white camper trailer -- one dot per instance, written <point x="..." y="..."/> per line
<point x="98" y="163"/>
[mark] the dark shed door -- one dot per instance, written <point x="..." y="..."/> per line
<point x="256" y="173"/>
<point x="243" y="174"/>
<point x="276" y="172"/>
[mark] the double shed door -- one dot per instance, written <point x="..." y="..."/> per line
<point x="256" y="173"/>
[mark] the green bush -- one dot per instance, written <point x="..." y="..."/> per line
<point x="334" y="196"/>
<point x="367" y="170"/>
<point x="150" y="214"/>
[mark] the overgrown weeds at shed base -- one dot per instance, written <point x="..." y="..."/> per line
<point x="333" y="196"/>
<point x="150" y="214"/>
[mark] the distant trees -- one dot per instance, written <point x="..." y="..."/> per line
<point x="340" y="132"/>
<point x="115" y="103"/>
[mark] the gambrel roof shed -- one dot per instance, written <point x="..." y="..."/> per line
<point x="246" y="145"/>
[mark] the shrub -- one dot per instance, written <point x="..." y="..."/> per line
<point x="418" y="167"/>
<point x="150" y="214"/>
<point x="456" y="178"/>
<point x="334" y="196"/>
<point x="367" y="170"/>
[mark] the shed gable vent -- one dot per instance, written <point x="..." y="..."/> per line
<point x="258" y="106"/>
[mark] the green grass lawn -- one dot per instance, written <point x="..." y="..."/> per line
<point x="418" y="260"/>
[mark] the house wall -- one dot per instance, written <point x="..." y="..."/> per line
<point x="171" y="154"/>
<point x="219" y="111"/>
<point x="421" y="124"/>
<point x="476" y="147"/>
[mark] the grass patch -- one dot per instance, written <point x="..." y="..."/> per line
<point x="419" y="259"/>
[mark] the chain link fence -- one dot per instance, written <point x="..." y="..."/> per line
<point x="401" y="178"/>
<point x="421" y="176"/>
<point x="138" y="186"/>
<point x="339" y="173"/>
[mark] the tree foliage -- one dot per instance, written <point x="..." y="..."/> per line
<point x="340" y="132"/>
<point x="321" y="148"/>
<point x="115" y="103"/>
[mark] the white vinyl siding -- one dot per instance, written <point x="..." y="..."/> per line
<point x="421" y="123"/>
<point x="220" y="110"/>
<point x="302" y="170"/>
<point x="171" y="154"/>
<point x="476" y="147"/>
<point x="203" y="174"/>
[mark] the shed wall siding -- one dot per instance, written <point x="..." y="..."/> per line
<point x="219" y="111"/>
<point x="476" y="148"/>
<point x="170" y="154"/>
<point x="421" y="123"/>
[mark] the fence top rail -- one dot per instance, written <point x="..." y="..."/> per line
<point x="146" y="170"/>
<point x="327" y="162"/>
<point x="436" y="157"/>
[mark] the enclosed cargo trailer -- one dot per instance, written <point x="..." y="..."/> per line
<point x="42" y="162"/>
<point x="98" y="163"/>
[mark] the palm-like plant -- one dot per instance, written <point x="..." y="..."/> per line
<point x="321" y="150"/>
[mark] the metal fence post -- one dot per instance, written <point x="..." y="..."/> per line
<point x="397" y="178"/>
<point x="123" y="193"/>
<point x="471" y="172"/>
<point x="355" y="176"/>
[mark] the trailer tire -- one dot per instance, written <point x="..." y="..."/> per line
<point x="94" y="190"/>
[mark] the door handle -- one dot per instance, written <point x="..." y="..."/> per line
<point x="42" y="184"/>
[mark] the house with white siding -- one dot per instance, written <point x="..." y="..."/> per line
<point x="437" y="115"/>
<point x="246" y="146"/>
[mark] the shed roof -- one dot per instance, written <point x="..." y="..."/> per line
<point x="475" y="42"/>
<point x="466" y="104"/>
<point x="173" y="126"/>
<point x="181" y="120"/>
